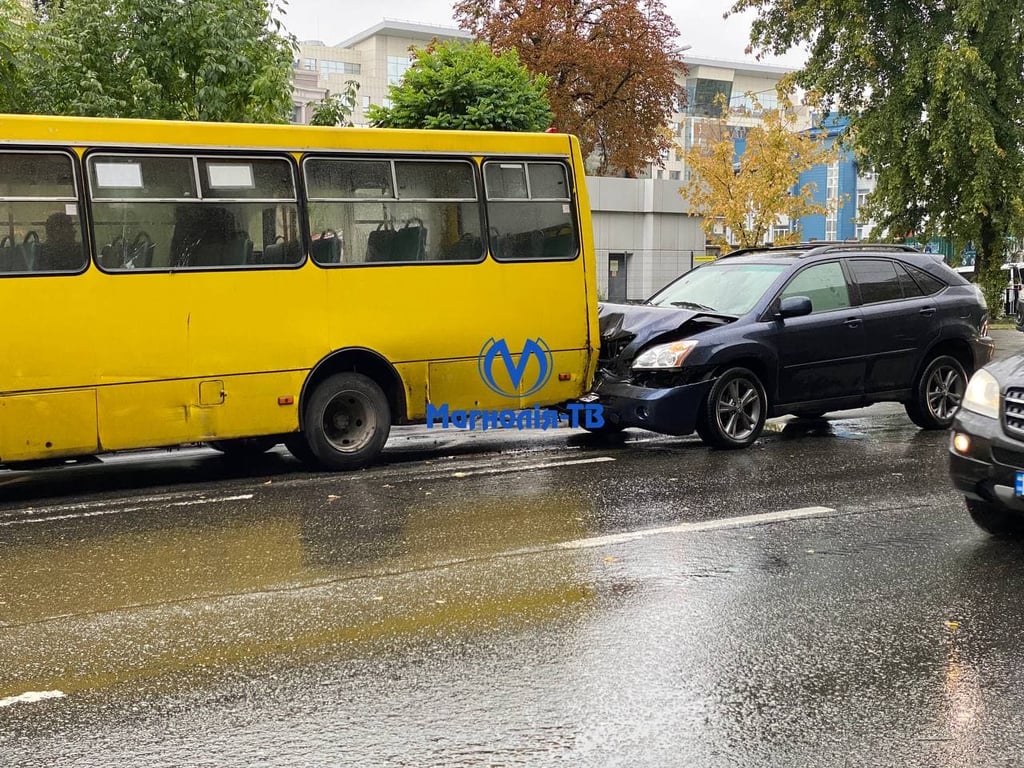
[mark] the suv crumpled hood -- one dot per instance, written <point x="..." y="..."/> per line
<point x="628" y="328"/>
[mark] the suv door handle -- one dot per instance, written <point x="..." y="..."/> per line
<point x="853" y="322"/>
<point x="927" y="311"/>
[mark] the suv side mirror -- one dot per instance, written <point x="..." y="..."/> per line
<point x="793" y="306"/>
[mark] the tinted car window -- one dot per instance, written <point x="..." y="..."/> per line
<point x="928" y="284"/>
<point x="824" y="284"/>
<point x="907" y="283"/>
<point x="877" y="280"/>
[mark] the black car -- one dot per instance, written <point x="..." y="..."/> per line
<point x="986" y="447"/>
<point x="799" y="330"/>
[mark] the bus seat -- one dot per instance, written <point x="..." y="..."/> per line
<point x="201" y="235"/>
<point x="27" y="253"/>
<point x="142" y="249"/>
<point x="380" y="245"/>
<point x="273" y="254"/>
<point x="205" y="255"/>
<point x="558" y="247"/>
<point x="326" y="250"/>
<point x="467" y="248"/>
<point x="7" y="254"/>
<point x="410" y="242"/>
<point x="144" y="255"/>
<point x="237" y="250"/>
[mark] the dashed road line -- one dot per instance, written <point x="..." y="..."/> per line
<point x="709" y="525"/>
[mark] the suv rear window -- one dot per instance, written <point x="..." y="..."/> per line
<point x="928" y="284"/>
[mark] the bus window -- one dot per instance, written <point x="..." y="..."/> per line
<point x="40" y="229"/>
<point x="529" y="211"/>
<point x="384" y="211"/>
<point x="181" y="212"/>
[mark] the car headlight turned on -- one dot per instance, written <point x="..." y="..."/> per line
<point x="982" y="395"/>
<point x="664" y="356"/>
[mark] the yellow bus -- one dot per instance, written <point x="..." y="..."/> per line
<point x="166" y="283"/>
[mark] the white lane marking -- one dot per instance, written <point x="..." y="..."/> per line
<point x="525" y="467"/>
<point x="108" y="503"/>
<point x="120" y="510"/>
<point x="31" y="697"/>
<point x="710" y="525"/>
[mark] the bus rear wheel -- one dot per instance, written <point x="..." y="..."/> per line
<point x="299" y="448"/>
<point x="347" y="421"/>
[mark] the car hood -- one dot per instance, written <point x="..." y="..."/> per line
<point x="626" y="329"/>
<point x="1009" y="370"/>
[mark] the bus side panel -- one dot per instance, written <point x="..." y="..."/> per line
<point x="459" y="383"/>
<point x="146" y="415"/>
<point x="256" y="404"/>
<point x="448" y="313"/>
<point x="48" y="425"/>
<point x="196" y="410"/>
<point x="249" y="321"/>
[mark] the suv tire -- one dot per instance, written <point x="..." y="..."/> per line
<point x="938" y="392"/>
<point x="735" y="410"/>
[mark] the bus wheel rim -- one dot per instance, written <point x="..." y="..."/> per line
<point x="349" y="422"/>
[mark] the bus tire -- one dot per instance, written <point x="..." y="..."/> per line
<point x="347" y="421"/>
<point x="299" y="448"/>
<point x="244" y="447"/>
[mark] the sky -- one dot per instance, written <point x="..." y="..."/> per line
<point x="700" y="23"/>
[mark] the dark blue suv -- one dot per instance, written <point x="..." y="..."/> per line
<point x="799" y="330"/>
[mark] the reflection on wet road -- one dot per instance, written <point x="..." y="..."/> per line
<point x="563" y="601"/>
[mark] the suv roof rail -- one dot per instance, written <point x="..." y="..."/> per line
<point x="815" y="247"/>
<point x="862" y="246"/>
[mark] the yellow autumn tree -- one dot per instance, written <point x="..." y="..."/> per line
<point x="749" y="195"/>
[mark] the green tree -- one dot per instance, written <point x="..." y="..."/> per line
<point x="220" y="60"/>
<point x="749" y="196"/>
<point x="337" y="108"/>
<point x="611" y="64"/>
<point x="934" y="91"/>
<point x="13" y="21"/>
<point x="464" y="86"/>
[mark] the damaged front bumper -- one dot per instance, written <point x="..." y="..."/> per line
<point x="669" y="410"/>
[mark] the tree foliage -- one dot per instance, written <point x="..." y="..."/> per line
<point x="336" y="108"/>
<point x="750" y="195"/>
<point x="465" y="86"/>
<point x="221" y="60"/>
<point x="934" y="92"/>
<point x="611" y="64"/>
<point x="13" y="21"/>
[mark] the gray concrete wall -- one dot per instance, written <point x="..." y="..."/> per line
<point x="648" y="219"/>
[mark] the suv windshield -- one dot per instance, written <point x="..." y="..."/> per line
<point x="731" y="289"/>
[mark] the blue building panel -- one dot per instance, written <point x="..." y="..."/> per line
<point x="813" y="227"/>
<point x="847" y="224"/>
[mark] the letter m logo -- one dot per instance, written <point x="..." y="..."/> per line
<point x="511" y="377"/>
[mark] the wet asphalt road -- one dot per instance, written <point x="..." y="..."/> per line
<point x="821" y="599"/>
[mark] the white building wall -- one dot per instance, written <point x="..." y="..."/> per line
<point x="648" y="220"/>
<point x="367" y="55"/>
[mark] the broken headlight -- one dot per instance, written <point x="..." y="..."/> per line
<point x="663" y="356"/>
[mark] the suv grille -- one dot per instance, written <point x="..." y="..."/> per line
<point x="1013" y="411"/>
